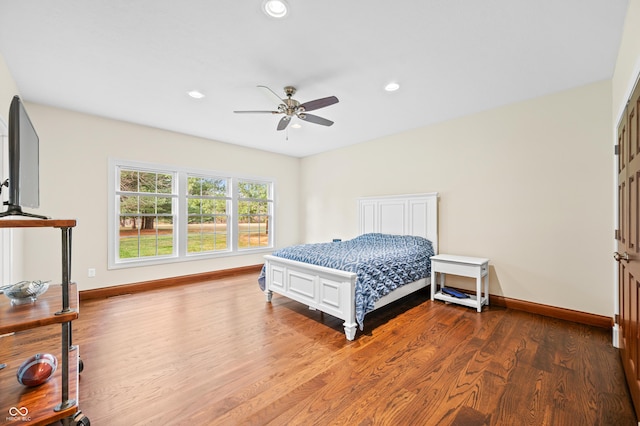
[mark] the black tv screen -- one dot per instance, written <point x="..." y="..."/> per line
<point x="24" y="162"/>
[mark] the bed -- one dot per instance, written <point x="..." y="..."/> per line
<point x="399" y="223"/>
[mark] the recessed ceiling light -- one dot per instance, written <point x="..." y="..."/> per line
<point x="391" y="87"/>
<point x="196" y="94"/>
<point x="296" y="125"/>
<point x="275" y="8"/>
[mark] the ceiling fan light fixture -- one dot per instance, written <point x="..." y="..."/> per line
<point x="275" y="8"/>
<point x="392" y="87"/>
<point x="195" y="94"/>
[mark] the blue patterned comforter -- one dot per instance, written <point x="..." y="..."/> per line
<point x="381" y="262"/>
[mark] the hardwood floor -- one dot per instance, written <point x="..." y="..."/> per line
<point x="217" y="353"/>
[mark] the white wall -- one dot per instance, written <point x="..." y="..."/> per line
<point x="528" y="185"/>
<point x="74" y="153"/>
<point x="628" y="61"/>
<point x="10" y="240"/>
<point x="8" y="89"/>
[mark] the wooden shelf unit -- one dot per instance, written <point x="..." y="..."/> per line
<point x="45" y="311"/>
<point x="41" y="401"/>
<point x="29" y="329"/>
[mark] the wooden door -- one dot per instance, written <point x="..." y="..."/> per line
<point x="628" y="253"/>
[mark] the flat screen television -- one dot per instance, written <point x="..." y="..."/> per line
<point x="24" y="163"/>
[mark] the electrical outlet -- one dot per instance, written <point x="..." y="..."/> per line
<point x="92" y="272"/>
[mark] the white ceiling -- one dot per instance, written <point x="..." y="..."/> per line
<point x="134" y="60"/>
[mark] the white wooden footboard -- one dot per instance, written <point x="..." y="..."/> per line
<point x="327" y="290"/>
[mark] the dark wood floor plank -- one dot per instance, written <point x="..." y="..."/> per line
<point x="216" y="353"/>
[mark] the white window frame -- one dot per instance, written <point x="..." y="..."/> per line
<point x="181" y="215"/>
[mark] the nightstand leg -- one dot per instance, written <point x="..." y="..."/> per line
<point x="486" y="287"/>
<point x="479" y="293"/>
<point x="433" y="285"/>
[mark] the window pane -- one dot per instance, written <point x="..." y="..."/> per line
<point x="165" y="235"/>
<point x="253" y="232"/>
<point x="220" y="239"/>
<point x="147" y="182"/>
<point x="146" y="227"/>
<point x="164" y="205"/>
<point x="128" y="204"/>
<point x="194" y="205"/>
<point x="156" y="236"/>
<point x="148" y="205"/>
<point x="128" y="180"/>
<point x="253" y="207"/>
<point x="253" y="214"/>
<point x="165" y="183"/>
<point x="194" y="185"/>
<point x="208" y="206"/>
<point x="128" y="237"/>
<point x="253" y="190"/>
<point x="214" y="187"/>
<point x="207" y="233"/>
<point x="221" y="206"/>
<point x="207" y="186"/>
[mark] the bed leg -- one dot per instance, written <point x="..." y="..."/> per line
<point x="268" y="294"/>
<point x="350" y="331"/>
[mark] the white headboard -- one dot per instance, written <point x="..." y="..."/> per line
<point x="413" y="214"/>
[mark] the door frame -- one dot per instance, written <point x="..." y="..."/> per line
<point x="616" y="224"/>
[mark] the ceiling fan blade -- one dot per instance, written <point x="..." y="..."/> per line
<point x="315" y="119"/>
<point x="284" y="122"/>
<point x="272" y="94"/>
<point x="257" y="112"/>
<point x="319" y="103"/>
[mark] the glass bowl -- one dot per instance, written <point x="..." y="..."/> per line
<point x="26" y="291"/>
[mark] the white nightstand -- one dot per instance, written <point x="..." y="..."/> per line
<point x="464" y="266"/>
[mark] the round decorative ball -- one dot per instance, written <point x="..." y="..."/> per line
<point x="37" y="369"/>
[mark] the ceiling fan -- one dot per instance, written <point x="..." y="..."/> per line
<point x="292" y="108"/>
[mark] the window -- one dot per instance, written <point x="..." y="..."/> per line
<point x="208" y="214"/>
<point x="146" y="214"/>
<point x="253" y="214"/>
<point x="167" y="214"/>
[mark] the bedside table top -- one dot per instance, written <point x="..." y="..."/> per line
<point x="460" y="259"/>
